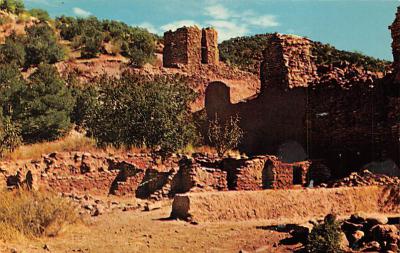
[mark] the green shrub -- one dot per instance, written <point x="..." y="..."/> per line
<point x="92" y="40"/>
<point x="153" y="113"/>
<point x="140" y="47"/>
<point x="224" y="136"/>
<point x="12" y="6"/>
<point x="13" y="51"/>
<point x="41" y="45"/>
<point x="10" y="136"/>
<point x="325" y="237"/>
<point x="45" y="107"/>
<point x="40" y="14"/>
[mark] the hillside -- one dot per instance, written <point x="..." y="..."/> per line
<point x="246" y="53"/>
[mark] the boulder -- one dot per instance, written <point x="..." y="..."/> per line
<point x="385" y="233"/>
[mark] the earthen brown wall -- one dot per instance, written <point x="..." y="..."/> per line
<point x="297" y="117"/>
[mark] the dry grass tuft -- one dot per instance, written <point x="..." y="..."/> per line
<point x="34" y="214"/>
<point x="72" y="142"/>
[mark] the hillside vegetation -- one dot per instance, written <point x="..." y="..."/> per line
<point x="246" y="54"/>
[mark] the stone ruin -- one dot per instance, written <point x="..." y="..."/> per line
<point x="190" y="46"/>
<point x="346" y="118"/>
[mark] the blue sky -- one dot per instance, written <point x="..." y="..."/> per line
<point x="347" y="24"/>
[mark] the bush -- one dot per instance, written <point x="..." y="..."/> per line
<point x="12" y="6"/>
<point x="140" y="48"/>
<point x="325" y="237"/>
<point x="224" y="136"/>
<point x="41" y="45"/>
<point x="10" y="136"/>
<point x="34" y="214"/>
<point x="153" y="113"/>
<point x="92" y="41"/>
<point x="40" y="14"/>
<point x="13" y="51"/>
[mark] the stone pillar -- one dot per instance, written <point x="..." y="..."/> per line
<point x="209" y="49"/>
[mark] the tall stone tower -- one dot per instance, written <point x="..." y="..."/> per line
<point x="190" y="46"/>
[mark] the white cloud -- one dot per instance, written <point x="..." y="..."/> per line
<point x="149" y="26"/>
<point x="81" y="12"/>
<point x="228" y="29"/>
<point x="218" y="11"/>
<point x="262" y="21"/>
<point x="177" y="24"/>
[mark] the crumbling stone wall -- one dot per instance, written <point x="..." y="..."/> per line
<point x="209" y="46"/>
<point x="288" y="62"/>
<point x="182" y="47"/>
<point x="347" y="123"/>
<point x="265" y="172"/>
<point x="190" y="46"/>
<point x="395" y="30"/>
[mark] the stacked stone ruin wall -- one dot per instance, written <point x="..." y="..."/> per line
<point x="190" y="47"/>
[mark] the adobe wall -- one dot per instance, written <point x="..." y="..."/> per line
<point x="190" y="46"/>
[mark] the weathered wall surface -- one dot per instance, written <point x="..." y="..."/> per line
<point x="289" y="206"/>
<point x="395" y="30"/>
<point x="182" y="47"/>
<point x="190" y="46"/>
<point x="209" y="46"/>
<point x="300" y="115"/>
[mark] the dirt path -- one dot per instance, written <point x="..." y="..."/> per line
<point x="138" y="231"/>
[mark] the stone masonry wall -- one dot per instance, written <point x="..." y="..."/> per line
<point x="288" y="62"/>
<point x="190" y="46"/>
<point x="182" y="47"/>
<point x="209" y="43"/>
<point x="395" y="30"/>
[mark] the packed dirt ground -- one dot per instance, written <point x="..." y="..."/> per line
<point x="152" y="231"/>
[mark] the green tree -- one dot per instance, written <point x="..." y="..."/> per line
<point x="224" y="136"/>
<point x="154" y="113"/>
<point x="46" y="106"/>
<point x="13" y="51"/>
<point x="10" y="136"/>
<point x="92" y="40"/>
<point x="140" y="47"/>
<point x="12" y="85"/>
<point x="41" y="45"/>
<point x="325" y="237"/>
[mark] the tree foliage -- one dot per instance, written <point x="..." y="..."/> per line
<point x="325" y="237"/>
<point x="40" y="14"/>
<point x="41" y="106"/>
<point x="13" y="50"/>
<point x="12" y="6"/>
<point x="152" y="113"/>
<point x="41" y="45"/>
<point x="10" y="136"/>
<point x="224" y="136"/>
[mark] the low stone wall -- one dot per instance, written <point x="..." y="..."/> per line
<point x="289" y="205"/>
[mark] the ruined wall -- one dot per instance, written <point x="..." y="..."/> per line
<point x="395" y="31"/>
<point x="287" y="62"/>
<point x="264" y="172"/>
<point x="182" y="47"/>
<point x="346" y="122"/>
<point x="209" y="46"/>
<point x="190" y="46"/>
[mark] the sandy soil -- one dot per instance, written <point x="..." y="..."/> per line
<point x="139" y="231"/>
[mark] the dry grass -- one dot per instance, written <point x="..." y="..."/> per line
<point x="34" y="214"/>
<point x="72" y="142"/>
